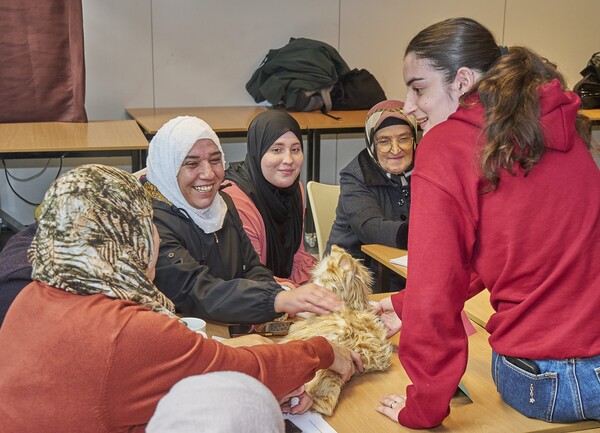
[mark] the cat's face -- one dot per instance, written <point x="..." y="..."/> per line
<point x="345" y="276"/>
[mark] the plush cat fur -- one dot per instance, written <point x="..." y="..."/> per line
<point x="355" y="327"/>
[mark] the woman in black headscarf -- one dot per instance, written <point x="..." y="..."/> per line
<point x="269" y="197"/>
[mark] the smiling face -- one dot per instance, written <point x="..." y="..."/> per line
<point x="201" y="174"/>
<point x="429" y="98"/>
<point x="282" y="162"/>
<point x="400" y="155"/>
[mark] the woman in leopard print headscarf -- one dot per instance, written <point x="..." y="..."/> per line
<point x="95" y="236"/>
<point x="82" y="346"/>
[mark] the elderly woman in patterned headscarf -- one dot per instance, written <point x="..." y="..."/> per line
<point x="98" y="241"/>
<point x="269" y="197"/>
<point x="375" y="186"/>
<point x="207" y="265"/>
<point x="91" y="344"/>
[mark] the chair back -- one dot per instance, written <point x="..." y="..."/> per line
<point x="323" y="199"/>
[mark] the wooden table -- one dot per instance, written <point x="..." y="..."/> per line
<point x="478" y="308"/>
<point x="65" y="139"/>
<point x="62" y="139"/>
<point x="225" y="121"/>
<point x="486" y="413"/>
<point x="593" y="115"/>
<point x="382" y="255"/>
<point x="234" y="121"/>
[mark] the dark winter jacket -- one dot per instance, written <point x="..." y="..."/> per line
<point x="215" y="276"/>
<point x="301" y="65"/>
<point x="372" y="209"/>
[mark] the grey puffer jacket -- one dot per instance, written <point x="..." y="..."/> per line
<point x="215" y="276"/>
<point x="373" y="208"/>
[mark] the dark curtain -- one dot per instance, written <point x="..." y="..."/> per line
<point x="42" y="68"/>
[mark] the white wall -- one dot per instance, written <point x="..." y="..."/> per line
<point x="168" y="53"/>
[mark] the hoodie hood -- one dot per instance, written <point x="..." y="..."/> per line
<point x="558" y="110"/>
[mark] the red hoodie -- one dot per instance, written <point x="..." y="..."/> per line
<point x="534" y="242"/>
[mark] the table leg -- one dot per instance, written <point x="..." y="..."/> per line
<point x="138" y="160"/>
<point x="383" y="279"/>
<point x="316" y="156"/>
<point x="309" y="225"/>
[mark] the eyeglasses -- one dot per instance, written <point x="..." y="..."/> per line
<point x="385" y="144"/>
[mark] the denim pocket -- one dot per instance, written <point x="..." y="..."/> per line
<point x="591" y="394"/>
<point x="534" y="395"/>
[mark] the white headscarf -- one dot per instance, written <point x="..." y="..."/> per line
<point x="166" y="153"/>
<point x="218" y="402"/>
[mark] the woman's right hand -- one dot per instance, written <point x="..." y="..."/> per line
<point x="310" y="298"/>
<point x="385" y="310"/>
<point x="345" y="362"/>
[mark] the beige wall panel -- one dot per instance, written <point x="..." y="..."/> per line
<point x="206" y="51"/>
<point x="374" y="34"/>
<point x="567" y="33"/>
<point x="118" y="57"/>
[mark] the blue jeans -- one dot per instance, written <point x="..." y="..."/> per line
<point x="566" y="390"/>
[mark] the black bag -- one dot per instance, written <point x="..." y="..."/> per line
<point x="356" y="90"/>
<point x="588" y="88"/>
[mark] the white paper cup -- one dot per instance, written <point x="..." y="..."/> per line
<point x="195" y="324"/>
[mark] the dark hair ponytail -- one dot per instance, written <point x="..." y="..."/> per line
<point x="509" y="92"/>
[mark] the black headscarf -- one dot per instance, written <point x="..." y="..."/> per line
<point x="280" y="208"/>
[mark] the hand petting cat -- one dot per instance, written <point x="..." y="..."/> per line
<point x="385" y="310"/>
<point x="310" y="298"/>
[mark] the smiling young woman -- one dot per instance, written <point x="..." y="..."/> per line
<point x="504" y="153"/>
<point x="269" y="196"/>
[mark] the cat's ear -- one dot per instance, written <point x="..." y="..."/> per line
<point x="345" y="260"/>
<point x="336" y="249"/>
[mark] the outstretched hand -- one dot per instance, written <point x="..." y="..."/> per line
<point x="385" y="310"/>
<point x="307" y="298"/>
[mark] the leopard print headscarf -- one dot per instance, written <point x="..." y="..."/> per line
<point x="95" y="236"/>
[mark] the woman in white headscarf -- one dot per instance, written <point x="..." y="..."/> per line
<point x="207" y="265"/>
<point x="91" y="344"/>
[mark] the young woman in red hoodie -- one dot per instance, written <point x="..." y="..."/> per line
<point x="505" y="196"/>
